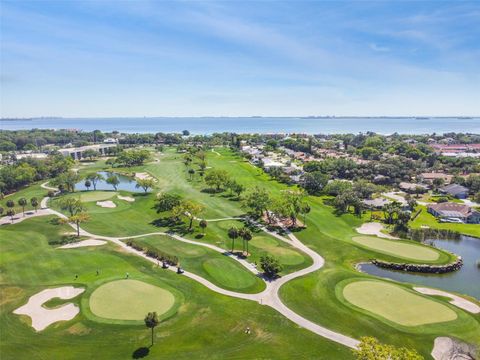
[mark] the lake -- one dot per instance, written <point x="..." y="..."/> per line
<point x="464" y="281"/>
<point x="209" y="125"/>
<point x="126" y="183"/>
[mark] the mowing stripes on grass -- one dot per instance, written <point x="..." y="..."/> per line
<point x="229" y="275"/>
<point x="398" y="248"/>
<point x="129" y="300"/>
<point x="396" y="304"/>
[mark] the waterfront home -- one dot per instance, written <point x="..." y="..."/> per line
<point x="452" y="211"/>
<point x="455" y="190"/>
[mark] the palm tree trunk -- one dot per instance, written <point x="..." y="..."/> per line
<point x="233" y="244"/>
<point x="191" y="222"/>
<point x="152" y="336"/>
<point x="78" y="229"/>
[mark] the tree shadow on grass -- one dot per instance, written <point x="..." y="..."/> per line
<point x="140" y="353"/>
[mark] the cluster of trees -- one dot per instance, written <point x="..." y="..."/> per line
<point x="347" y="194"/>
<point x="270" y="266"/>
<point x="22" y="202"/>
<point x="129" y="158"/>
<point x="76" y="210"/>
<point x="154" y="253"/>
<point x="244" y="233"/>
<point x="290" y="204"/>
<point x="35" y="139"/>
<point x="24" y="172"/>
<point x="179" y="208"/>
<point x="220" y="180"/>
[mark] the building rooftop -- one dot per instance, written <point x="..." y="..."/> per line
<point x="451" y="209"/>
<point x="454" y="189"/>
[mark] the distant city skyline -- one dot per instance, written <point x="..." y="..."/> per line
<point x="147" y="58"/>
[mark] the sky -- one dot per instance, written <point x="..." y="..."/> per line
<point x="269" y="58"/>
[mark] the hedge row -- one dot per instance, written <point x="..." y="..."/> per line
<point x="154" y="253"/>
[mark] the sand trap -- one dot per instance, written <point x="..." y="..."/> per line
<point x="456" y="300"/>
<point x="143" y="176"/>
<point x="106" y="204"/>
<point x="90" y="242"/>
<point x="374" y="228"/>
<point x="43" y="317"/>
<point x="445" y="348"/>
<point x="126" y="198"/>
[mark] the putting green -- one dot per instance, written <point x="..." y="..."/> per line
<point x="227" y="274"/>
<point x="88" y="196"/>
<point x="396" y="304"/>
<point x="129" y="300"/>
<point x="398" y="248"/>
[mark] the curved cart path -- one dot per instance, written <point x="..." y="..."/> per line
<point x="270" y="296"/>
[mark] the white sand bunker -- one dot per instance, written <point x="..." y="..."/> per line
<point x="455" y="300"/>
<point x="43" y="317"/>
<point x="126" y="198"/>
<point x="143" y="176"/>
<point x="106" y="204"/>
<point x="89" y="242"/>
<point x="374" y="228"/>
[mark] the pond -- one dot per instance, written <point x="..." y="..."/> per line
<point x="464" y="281"/>
<point x="126" y="183"/>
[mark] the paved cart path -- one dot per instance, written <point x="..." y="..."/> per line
<point x="270" y="296"/>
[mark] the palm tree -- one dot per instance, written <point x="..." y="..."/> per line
<point x="203" y="224"/>
<point x="72" y="205"/>
<point x="246" y="235"/>
<point x="34" y="203"/>
<point x="233" y="234"/>
<point x="77" y="219"/>
<point x="10" y="204"/>
<point x="114" y="181"/>
<point x="22" y="202"/>
<point x="152" y="321"/>
<point x="88" y="184"/>
<point x="11" y="213"/>
<point x="94" y="178"/>
<point x="191" y="172"/>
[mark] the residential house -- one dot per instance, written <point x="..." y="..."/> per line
<point x="428" y="177"/>
<point x="450" y="211"/>
<point x="413" y="187"/>
<point x="455" y="190"/>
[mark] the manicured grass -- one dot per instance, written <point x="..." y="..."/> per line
<point x="89" y="196"/>
<point x="403" y="249"/>
<point x="206" y="326"/>
<point x="32" y="191"/>
<point x="395" y="303"/>
<point x="219" y="322"/>
<point x="285" y="255"/>
<point x="427" y="219"/>
<point x="211" y="265"/>
<point x="228" y="275"/>
<point x="129" y="300"/>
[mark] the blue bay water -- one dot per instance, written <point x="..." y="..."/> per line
<point x="209" y="125"/>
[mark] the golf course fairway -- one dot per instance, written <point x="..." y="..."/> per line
<point x="396" y="304"/>
<point x="129" y="300"/>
